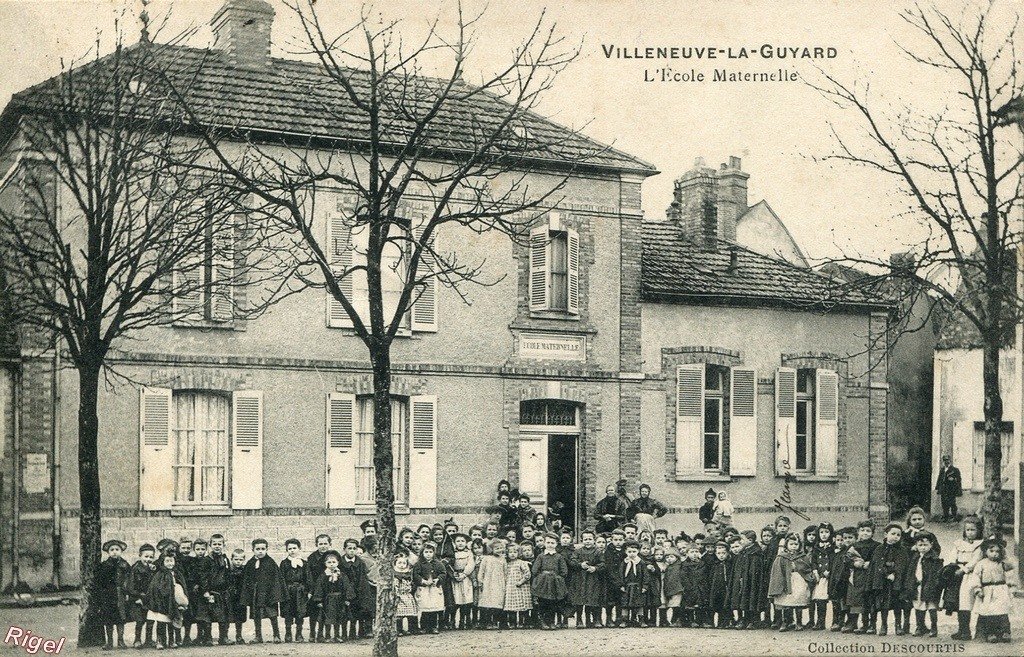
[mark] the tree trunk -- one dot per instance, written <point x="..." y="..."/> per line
<point x="90" y="630"/>
<point x="993" y="434"/>
<point x="385" y="640"/>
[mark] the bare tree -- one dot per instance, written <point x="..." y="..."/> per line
<point x="437" y="161"/>
<point x="108" y="227"/>
<point x="963" y="183"/>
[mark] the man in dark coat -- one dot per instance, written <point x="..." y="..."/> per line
<point x="610" y="512"/>
<point x="949" y="486"/>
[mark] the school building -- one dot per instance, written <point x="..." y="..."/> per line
<point x="612" y="347"/>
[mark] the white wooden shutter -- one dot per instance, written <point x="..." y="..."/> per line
<point x="156" y="450"/>
<point x="979" y="458"/>
<point x="423" y="455"/>
<point x="424" y="310"/>
<point x="540" y="284"/>
<point x="188" y="283"/>
<point x="341" y="453"/>
<point x="785" y="420"/>
<point x="247" y="450"/>
<point x="223" y="306"/>
<point x="574" y="272"/>
<point x="339" y="252"/>
<point x="743" y="422"/>
<point x="826" y="430"/>
<point x="689" y="419"/>
<point x="963" y="451"/>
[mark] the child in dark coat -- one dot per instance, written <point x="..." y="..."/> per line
<point x="633" y="584"/>
<point x="693" y="576"/>
<point x="748" y="592"/>
<point x="294" y="589"/>
<point x="359" y="576"/>
<point x="261" y="589"/>
<point x="614" y="554"/>
<point x="199" y="601"/>
<point x="111" y="592"/>
<point x="314" y="568"/>
<point x="215" y="594"/>
<point x="839" y="576"/>
<point x="822" y="553"/>
<point x="587" y="591"/>
<point x="548" y="582"/>
<point x="167" y="600"/>
<point x="332" y="596"/>
<point x="924" y="582"/>
<point x="718" y="575"/>
<point x="889" y="578"/>
<point x="235" y="608"/>
<point x="859" y="598"/>
<point x="138" y="594"/>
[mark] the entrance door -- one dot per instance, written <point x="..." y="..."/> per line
<point x="562" y="475"/>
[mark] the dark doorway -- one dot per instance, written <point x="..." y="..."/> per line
<point x="562" y="476"/>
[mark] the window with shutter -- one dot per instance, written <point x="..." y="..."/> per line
<point x="201" y="447"/>
<point x="423" y="454"/>
<point x="539" y="292"/>
<point x="743" y="422"/>
<point x="573" y="272"/>
<point x="341" y="456"/>
<point x="339" y="250"/>
<point x="222" y="271"/>
<point x="785" y="420"/>
<point x="689" y="418"/>
<point x="366" y="479"/>
<point x="424" y="310"/>
<point x="826" y="439"/>
<point x="247" y="450"/>
<point x="156" y="451"/>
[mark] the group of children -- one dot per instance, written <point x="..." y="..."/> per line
<point x="522" y="574"/>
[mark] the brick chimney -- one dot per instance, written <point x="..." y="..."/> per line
<point x="241" y="28"/>
<point x="707" y="203"/>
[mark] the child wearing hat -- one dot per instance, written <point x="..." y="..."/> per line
<point x="333" y="596"/>
<point x="166" y="599"/>
<point x="111" y="596"/>
<point x="987" y="584"/>
<point x="138" y="591"/>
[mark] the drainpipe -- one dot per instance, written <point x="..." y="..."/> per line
<point x="55" y="469"/>
<point x="16" y="476"/>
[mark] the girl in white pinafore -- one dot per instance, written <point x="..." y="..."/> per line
<point x="991" y="591"/>
<point x="957" y="597"/>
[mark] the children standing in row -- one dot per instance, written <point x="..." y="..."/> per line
<point x="726" y="579"/>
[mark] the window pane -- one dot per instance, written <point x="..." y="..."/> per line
<point x="559" y="271"/>
<point x="713" y="378"/>
<point x="802" y="422"/>
<point x="201" y="447"/>
<point x="712" y="432"/>
<point x="366" y="483"/>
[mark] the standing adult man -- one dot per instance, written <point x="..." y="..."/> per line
<point x="949" y="487"/>
<point x="610" y="512"/>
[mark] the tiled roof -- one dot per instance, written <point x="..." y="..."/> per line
<point x="296" y="98"/>
<point x="674" y="269"/>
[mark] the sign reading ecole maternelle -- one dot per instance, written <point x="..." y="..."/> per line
<point x="553" y="347"/>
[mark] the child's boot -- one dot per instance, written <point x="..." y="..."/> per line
<point x="287" y="632"/>
<point x="919" y="628"/>
<point x="933" y="615"/>
<point x="963" y="619"/>
<point x="899" y="624"/>
<point x="298" y="631"/>
<point x="883" y="627"/>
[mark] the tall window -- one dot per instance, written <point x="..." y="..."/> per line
<point x="201" y="447"/>
<point x="393" y="272"/>
<point x="714" y="403"/>
<point x="805" y="420"/>
<point x="365" y="477"/>
<point x="559" y="270"/>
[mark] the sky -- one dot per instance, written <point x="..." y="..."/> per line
<point x="781" y="130"/>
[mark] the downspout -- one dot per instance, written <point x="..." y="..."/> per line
<point x="16" y="477"/>
<point x="55" y="469"/>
